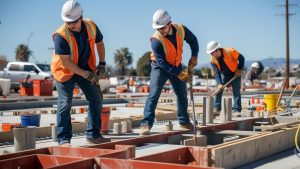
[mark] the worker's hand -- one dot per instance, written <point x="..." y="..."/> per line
<point x="184" y="76"/>
<point x="238" y="73"/>
<point x="89" y="76"/>
<point x="220" y="86"/>
<point x="192" y="62"/>
<point x="100" y="71"/>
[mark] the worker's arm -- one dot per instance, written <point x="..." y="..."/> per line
<point x="101" y="51"/>
<point x="241" y="60"/>
<point x="67" y="62"/>
<point x="217" y="73"/>
<point x="161" y="60"/>
<point x="100" y="45"/>
<point x="62" y="49"/>
<point x="191" y="39"/>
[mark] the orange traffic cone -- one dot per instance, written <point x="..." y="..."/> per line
<point x="252" y="100"/>
<point x="258" y="101"/>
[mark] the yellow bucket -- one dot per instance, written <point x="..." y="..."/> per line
<point x="271" y="101"/>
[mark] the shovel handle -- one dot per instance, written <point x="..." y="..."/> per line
<point x="220" y="89"/>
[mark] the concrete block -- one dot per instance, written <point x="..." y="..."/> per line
<point x="117" y="120"/>
<point x="124" y="128"/>
<point x="287" y="119"/>
<point x="129" y="126"/>
<point x="161" y="116"/>
<point x="7" y="136"/>
<point x="201" y="140"/>
<point x="117" y="129"/>
<point x="175" y="139"/>
<point x="41" y="132"/>
<point x="79" y="127"/>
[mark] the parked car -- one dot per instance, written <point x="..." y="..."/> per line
<point x="16" y="71"/>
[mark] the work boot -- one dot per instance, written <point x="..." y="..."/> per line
<point x="188" y="126"/>
<point x="145" y="130"/>
<point x="98" y="140"/>
<point x="216" y="112"/>
<point x="237" y="114"/>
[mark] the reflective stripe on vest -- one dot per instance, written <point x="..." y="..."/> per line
<point x="173" y="56"/>
<point x="230" y="59"/>
<point x="59" y="71"/>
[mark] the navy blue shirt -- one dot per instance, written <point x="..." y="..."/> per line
<point x="225" y="71"/>
<point x="62" y="46"/>
<point x="160" y="55"/>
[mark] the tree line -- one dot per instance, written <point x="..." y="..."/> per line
<point x="123" y="60"/>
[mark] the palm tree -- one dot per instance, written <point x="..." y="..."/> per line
<point x="23" y="53"/>
<point x="143" y="66"/>
<point x="123" y="58"/>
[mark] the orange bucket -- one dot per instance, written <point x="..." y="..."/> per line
<point x="105" y="116"/>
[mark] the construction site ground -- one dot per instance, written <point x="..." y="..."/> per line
<point x="211" y="136"/>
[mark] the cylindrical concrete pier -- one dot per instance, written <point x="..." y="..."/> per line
<point x="54" y="132"/>
<point x="209" y="109"/>
<point x="229" y="109"/>
<point x="24" y="138"/>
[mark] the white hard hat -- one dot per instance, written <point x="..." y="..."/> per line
<point x="212" y="46"/>
<point x="160" y="19"/>
<point x="71" y="11"/>
<point x="255" y="64"/>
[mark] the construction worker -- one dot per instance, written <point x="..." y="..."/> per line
<point x="74" y="61"/>
<point x="226" y="63"/>
<point x="167" y="46"/>
<point x="131" y="84"/>
<point x="253" y="73"/>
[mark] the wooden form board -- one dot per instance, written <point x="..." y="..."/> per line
<point x="251" y="149"/>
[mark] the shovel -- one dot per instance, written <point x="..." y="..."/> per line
<point x="220" y="89"/>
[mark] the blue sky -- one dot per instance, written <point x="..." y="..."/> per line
<point x="250" y="26"/>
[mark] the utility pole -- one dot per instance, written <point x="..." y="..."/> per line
<point x="287" y="58"/>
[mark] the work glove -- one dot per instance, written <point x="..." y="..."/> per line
<point x="238" y="73"/>
<point x="184" y="76"/>
<point x="192" y="62"/>
<point x="219" y="86"/>
<point x="100" y="70"/>
<point x="89" y="76"/>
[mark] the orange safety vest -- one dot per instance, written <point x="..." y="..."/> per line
<point x="230" y="58"/>
<point x="59" y="71"/>
<point x="173" y="56"/>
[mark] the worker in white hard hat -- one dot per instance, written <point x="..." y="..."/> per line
<point x="253" y="73"/>
<point x="167" y="48"/>
<point x="226" y="63"/>
<point x="74" y="62"/>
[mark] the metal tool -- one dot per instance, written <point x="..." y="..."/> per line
<point x="220" y="89"/>
<point x="193" y="107"/>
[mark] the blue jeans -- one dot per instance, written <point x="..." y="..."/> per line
<point x="64" y="104"/>
<point x="158" y="79"/>
<point x="236" y="86"/>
